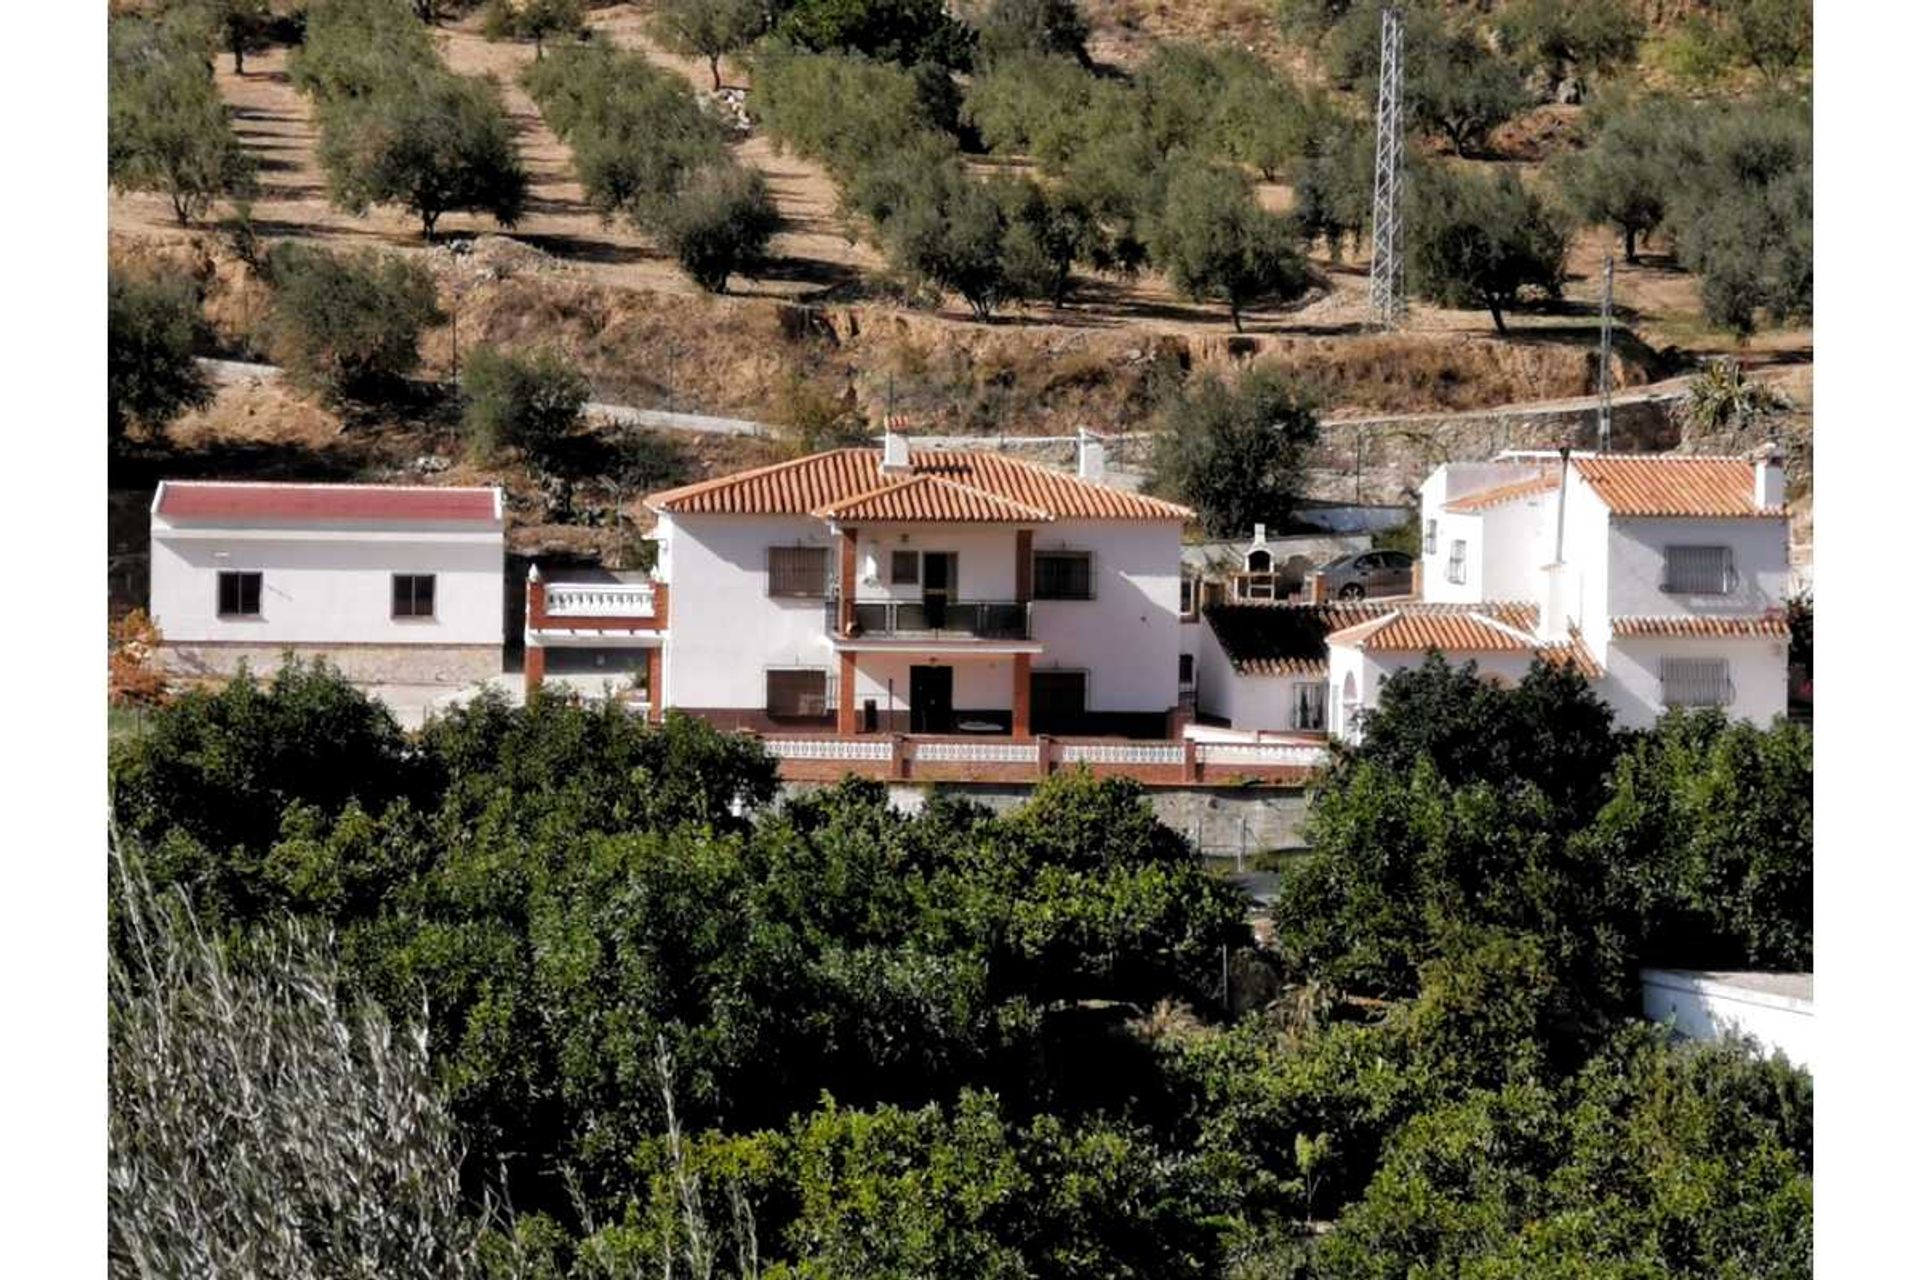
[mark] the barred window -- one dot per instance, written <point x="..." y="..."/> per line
<point x="1699" y="570"/>
<point x="239" y="595"/>
<point x="1309" y="705"/>
<point x="906" y="568"/>
<point x="1187" y="606"/>
<point x="797" y="571"/>
<point x="1063" y="575"/>
<point x="413" y="595"/>
<point x="1186" y="668"/>
<point x="797" y="694"/>
<point x="1431" y="542"/>
<point x="1695" y="682"/>
<point x="1457" y="561"/>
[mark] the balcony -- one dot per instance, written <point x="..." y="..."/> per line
<point x="939" y="620"/>
<point x="600" y="600"/>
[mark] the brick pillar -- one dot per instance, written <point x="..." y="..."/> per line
<point x="536" y="668"/>
<point x="1190" y="760"/>
<point x="1022" y="696"/>
<point x="1316" y="589"/>
<point x="655" y="694"/>
<point x="849" y="581"/>
<point x="1043" y="756"/>
<point x="1023" y="565"/>
<point x="847" y="724"/>
<point x="536" y="663"/>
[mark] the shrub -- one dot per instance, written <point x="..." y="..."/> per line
<point x="154" y="328"/>
<point x="530" y="402"/>
<point x="1051" y="28"/>
<point x="1235" y="453"/>
<point x="1483" y="242"/>
<point x="901" y="31"/>
<point x="356" y="48"/>
<point x="347" y="326"/>
<point x="718" y="224"/>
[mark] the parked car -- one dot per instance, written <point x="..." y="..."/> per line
<point x="1365" y="574"/>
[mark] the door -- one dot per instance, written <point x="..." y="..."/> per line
<point x="939" y="578"/>
<point x="930" y="700"/>
<point x="1058" y="701"/>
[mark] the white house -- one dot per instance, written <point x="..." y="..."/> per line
<point x="882" y="590"/>
<point x="1661" y="578"/>
<point x="393" y="584"/>
<point x="1775" y="1009"/>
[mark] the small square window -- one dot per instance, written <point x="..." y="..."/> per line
<point x="413" y="595"/>
<point x="239" y="595"/>
<point x="797" y="571"/>
<point x="1063" y="575"/>
<point x="906" y="568"/>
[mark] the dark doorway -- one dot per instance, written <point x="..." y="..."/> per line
<point x="939" y="574"/>
<point x="930" y="699"/>
<point x="1059" y="701"/>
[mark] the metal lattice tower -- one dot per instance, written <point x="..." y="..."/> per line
<point x="1387" y="288"/>
<point x="1606" y="356"/>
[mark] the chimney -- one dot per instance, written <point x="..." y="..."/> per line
<point x="1093" y="458"/>
<point x="1259" y="535"/>
<point x="1553" y="577"/>
<point x="893" y="454"/>
<point x="1769" y="478"/>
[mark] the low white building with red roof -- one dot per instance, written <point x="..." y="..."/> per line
<point x="392" y="583"/>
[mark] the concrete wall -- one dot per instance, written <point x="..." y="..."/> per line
<point x="1705" y="1006"/>
<point x="1757" y="666"/>
<point x="328" y="587"/>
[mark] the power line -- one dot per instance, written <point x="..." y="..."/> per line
<point x="1387" y="286"/>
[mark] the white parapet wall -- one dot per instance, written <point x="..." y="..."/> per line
<point x="1775" y="1009"/>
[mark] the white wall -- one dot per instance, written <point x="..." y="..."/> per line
<point x="1757" y="666"/>
<point x="1371" y="670"/>
<point x="1702" y="1008"/>
<point x="986" y="557"/>
<point x="979" y="683"/>
<point x="328" y="587"/>
<point x="1128" y="636"/>
<point x="1638" y="563"/>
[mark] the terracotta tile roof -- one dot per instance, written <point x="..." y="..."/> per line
<point x="1494" y="627"/>
<point x="1280" y="639"/>
<point x="824" y="480"/>
<point x="928" y="497"/>
<point x="1766" y="624"/>
<point x="1666" y="485"/>
<point x="311" y="503"/>
<point x="1505" y="493"/>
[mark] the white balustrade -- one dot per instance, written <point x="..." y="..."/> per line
<point x="1135" y="753"/>
<point x="977" y="752"/>
<point x="1297" y="755"/>
<point x="829" y="749"/>
<point x="600" y="600"/>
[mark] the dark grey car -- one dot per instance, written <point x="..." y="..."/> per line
<point x="1367" y="574"/>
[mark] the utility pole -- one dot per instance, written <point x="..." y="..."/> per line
<point x="1387" y="286"/>
<point x="1606" y="356"/>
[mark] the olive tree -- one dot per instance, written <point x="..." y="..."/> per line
<point x="718" y="224"/>
<point x="347" y="325"/>
<point x="709" y="29"/>
<point x="1214" y="241"/>
<point x="167" y="129"/>
<point x="1235" y="452"/>
<point x="528" y="402"/>
<point x="1483" y="242"/>
<point x="154" y="328"/>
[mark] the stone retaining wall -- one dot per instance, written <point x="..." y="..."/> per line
<point x="454" y="665"/>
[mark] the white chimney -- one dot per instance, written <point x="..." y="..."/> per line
<point x="1093" y="458"/>
<point x="1553" y="603"/>
<point x="1769" y="478"/>
<point x="1259" y="535"/>
<point x="893" y="454"/>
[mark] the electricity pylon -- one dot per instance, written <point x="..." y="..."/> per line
<point x="1387" y="287"/>
<point x="1606" y="356"/>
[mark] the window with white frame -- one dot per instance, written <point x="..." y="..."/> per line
<point x="1310" y="705"/>
<point x="1695" y="682"/>
<point x="1457" y="561"/>
<point x="1699" y="571"/>
<point x="1188" y="606"/>
<point x="1063" y="575"/>
<point x="797" y="571"/>
<point x="1430" y="543"/>
<point x="798" y="693"/>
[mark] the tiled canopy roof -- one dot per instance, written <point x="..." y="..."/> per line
<point x="1495" y="627"/>
<point x="310" y="503"/>
<point x="1513" y="492"/>
<point x="1279" y="639"/>
<point x="926" y="497"/>
<point x="1766" y="624"/>
<point x="1665" y="485"/>
<point x="824" y="481"/>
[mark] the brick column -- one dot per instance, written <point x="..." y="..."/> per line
<point x="536" y="667"/>
<point x="1023" y="565"/>
<point x="847" y="724"/>
<point x="1419" y="587"/>
<point x="1022" y="696"/>
<point x="655" y="694"/>
<point x="536" y="660"/>
<point x="849" y="581"/>
<point x="1189" y="760"/>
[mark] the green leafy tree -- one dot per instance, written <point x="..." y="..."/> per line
<point x="1483" y="242"/>
<point x="1258" y="118"/>
<point x="902" y="31"/>
<point x="167" y="129"/>
<point x="1774" y="37"/>
<point x="1049" y="28"/>
<point x="847" y="112"/>
<point x="710" y="29"/>
<point x="1214" y="241"/>
<point x="1459" y="87"/>
<point x="1626" y="175"/>
<point x="433" y="144"/>
<point x="535" y="20"/>
<point x="1574" y="37"/>
<point x="531" y="402"/>
<point x="1333" y="183"/>
<point x="154" y="329"/>
<point x="1235" y="453"/>
<point x="347" y="325"/>
<point x="718" y="224"/>
<point x="240" y="27"/>
<point x="356" y="48"/>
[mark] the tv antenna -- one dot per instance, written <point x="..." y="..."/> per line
<point x="1387" y="285"/>
<point x="1606" y="355"/>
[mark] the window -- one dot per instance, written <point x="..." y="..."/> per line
<point x="1457" y="561"/>
<point x="413" y="595"/>
<point x="1310" y="705"/>
<point x="797" y="694"/>
<point x="1186" y="668"/>
<point x="1431" y="542"/>
<point x="1695" y="682"/>
<point x="1187" y="609"/>
<point x="1699" y="571"/>
<point x="1063" y="575"/>
<point x="239" y="595"/>
<point x="906" y="568"/>
<point x="797" y="571"/>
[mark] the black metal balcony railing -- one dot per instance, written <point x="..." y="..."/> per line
<point x="939" y="620"/>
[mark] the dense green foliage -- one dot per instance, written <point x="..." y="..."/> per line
<point x="1235" y="452"/>
<point x="1050" y="28"/>
<point x="907" y="32"/>
<point x="690" y="1027"/>
<point x="154" y="330"/>
<point x="347" y="325"/>
<point x="1214" y="241"/>
<point x="167" y="129"/>
<point x="1483" y="242"/>
<point x="527" y="402"/>
<point x="535" y="20"/>
<point x="710" y="29"/>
